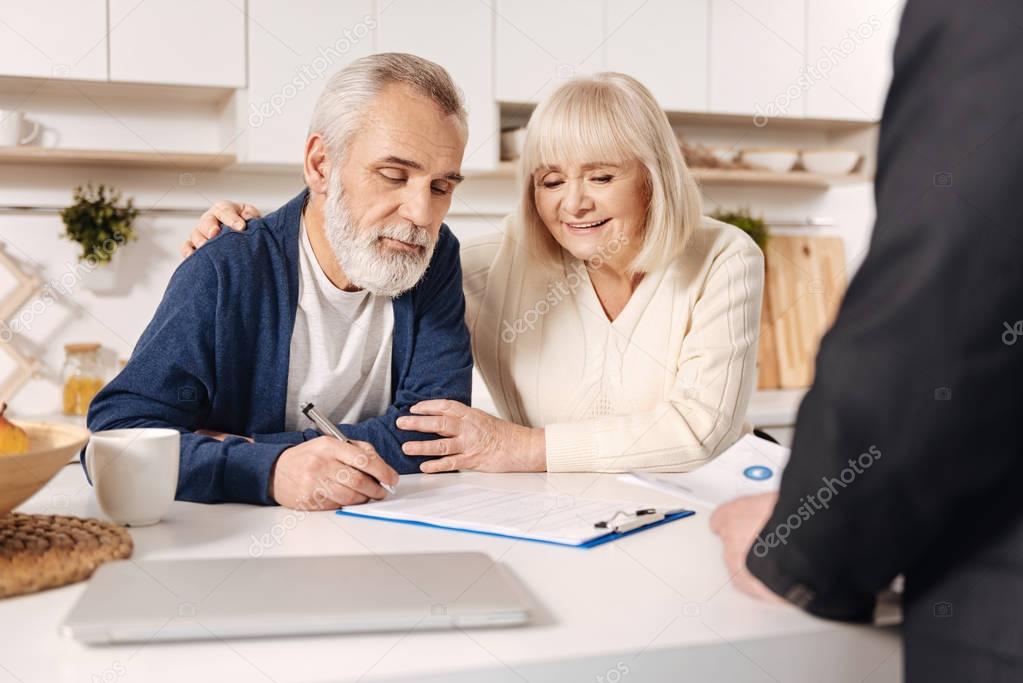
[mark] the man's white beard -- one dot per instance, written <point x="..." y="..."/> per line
<point x="367" y="263"/>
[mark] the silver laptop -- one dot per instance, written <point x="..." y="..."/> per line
<point x="155" y="600"/>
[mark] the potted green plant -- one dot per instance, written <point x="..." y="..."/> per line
<point x="743" y="219"/>
<point x="101" y="224"/>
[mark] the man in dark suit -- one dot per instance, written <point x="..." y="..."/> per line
<point x="913" y="423"/>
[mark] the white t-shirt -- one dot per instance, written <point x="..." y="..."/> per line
<point x="340" y="348"/>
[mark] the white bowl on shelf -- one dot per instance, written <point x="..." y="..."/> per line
<point x="774" y="159"/>
<point x="830" y="161"/>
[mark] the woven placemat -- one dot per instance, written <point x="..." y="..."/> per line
<point x="45" y="551"/>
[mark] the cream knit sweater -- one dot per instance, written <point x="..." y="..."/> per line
<point x="664" y="387"/>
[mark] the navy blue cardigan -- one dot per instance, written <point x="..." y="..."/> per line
<point x="215" y="356"/>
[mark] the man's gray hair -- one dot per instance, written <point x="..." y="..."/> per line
<point x="351" y="90"/>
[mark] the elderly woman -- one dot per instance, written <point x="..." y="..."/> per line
<point x="615" y="328"/>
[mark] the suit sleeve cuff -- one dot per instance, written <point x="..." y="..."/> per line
<point x="787" y="573"/>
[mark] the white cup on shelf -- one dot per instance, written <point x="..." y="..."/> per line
<point x="134" y="473"/>
<point x="11" y="122"/>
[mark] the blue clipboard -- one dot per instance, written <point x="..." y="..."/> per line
<point x="600" y="540"/>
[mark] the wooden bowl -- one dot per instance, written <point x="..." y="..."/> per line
<point x="50" y="448"/>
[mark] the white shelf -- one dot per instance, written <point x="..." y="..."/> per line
<point x="101" y="157"/>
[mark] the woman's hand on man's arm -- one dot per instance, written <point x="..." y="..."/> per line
<point x="474" y="440"/>
<point x="229" y="213"/>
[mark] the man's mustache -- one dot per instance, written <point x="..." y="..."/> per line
<point x="408" y="233"/>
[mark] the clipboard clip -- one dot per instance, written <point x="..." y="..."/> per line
<point x="622" y="521"/>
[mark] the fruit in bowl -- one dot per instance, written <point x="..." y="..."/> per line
<point x="31" y="453"/>
<point x="13" y="439"/>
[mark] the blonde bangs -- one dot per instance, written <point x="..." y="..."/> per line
<point x="577" y="125"/>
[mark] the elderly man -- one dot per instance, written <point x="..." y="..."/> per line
<point x="349" y="296"/>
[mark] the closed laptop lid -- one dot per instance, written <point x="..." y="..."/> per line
<point x="145" y="600"/>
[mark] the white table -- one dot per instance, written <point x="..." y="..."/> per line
<point x="656" y="606"/>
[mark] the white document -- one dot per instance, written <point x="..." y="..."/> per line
<point x="751" y="466"/>
<point x="556" y="518"/>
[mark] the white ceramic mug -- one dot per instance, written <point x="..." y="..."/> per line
<point x="10" y="129"/>
<point x="134" y="472"/>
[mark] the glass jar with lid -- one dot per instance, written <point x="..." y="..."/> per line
<point x="82" y="377"/>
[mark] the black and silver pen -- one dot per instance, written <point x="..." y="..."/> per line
<point x="327" y="428"/>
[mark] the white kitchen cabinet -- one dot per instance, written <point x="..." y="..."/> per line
<point x="61" y="39"/>
<point x="664" y="44"/>
<point x="178" y="42"/>
<point x="294" y="49"/>
<point x="849" y="57"/>
<point x="757" y="53"/>
<point x="458" y="35"/>
<point x="540" y="43"/>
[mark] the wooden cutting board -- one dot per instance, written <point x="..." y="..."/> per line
<point x="805" y="282"/>
<point x="767" y="354"/>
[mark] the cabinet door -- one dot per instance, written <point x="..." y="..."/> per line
<point x="178" y="42"/>
<point x="664" y="44"/>
<point x="849" y="57"/>
<point x="294" y="49"/>
<point x="34" y="43"/>
<point x="757" y="52"/>
<point x="458" y="35"/>
<point x="540" y="43"/>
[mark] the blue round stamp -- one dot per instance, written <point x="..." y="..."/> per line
<point x="758" y="472"/>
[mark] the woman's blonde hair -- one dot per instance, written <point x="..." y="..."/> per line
<point x="611" y="117"/>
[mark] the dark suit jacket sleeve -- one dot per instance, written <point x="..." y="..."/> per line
<point x="168" y="383"/>
<point x="922" y="369"/>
